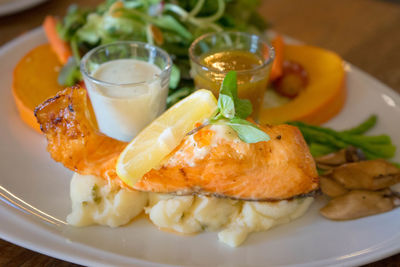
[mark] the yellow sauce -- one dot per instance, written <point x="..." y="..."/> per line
<point x="232" y="60"/>
<point x="252" y="78"/>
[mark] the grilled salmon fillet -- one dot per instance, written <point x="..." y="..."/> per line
<point x="278" y="169"/>
<point x="72" y="136"/>
<point x="204" y="162"/>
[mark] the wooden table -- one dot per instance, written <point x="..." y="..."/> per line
<point x="364" y="32"/>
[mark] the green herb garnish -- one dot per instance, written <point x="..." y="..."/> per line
<point x="233" y="111"/>
<point x="95" y="194"/>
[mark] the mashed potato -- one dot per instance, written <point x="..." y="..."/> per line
<point x="95" y="201"/>
<point x="235" y="219"/>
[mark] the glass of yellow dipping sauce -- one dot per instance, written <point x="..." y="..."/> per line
<point x="213" y="55"/>
<point x="127" y="84"/>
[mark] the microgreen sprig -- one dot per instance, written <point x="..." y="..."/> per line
<point x="233" y="111"/>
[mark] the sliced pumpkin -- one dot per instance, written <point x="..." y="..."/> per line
<point x="34" y="81"/>
<point x="325" y="92"/>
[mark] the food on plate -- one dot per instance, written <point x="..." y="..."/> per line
<point x="214" y="161"/>
<point x="293" y="81"/>
<point x="322" y="98"/>
<point x="360" y="203"/>
<point x="35" y="80"/>
<point x="174" y="25"/>
<point x="346" y="155"/>
<point x="162" y="136"/>
<point x="323" y="140"/>
<point x="213" y="55"/>
<point x="331" y="188"/>
<point x="354" y="173"/>
<point x="370" y="174"/>
<point x="72" y="139"/>
<point x="127" y="83"/>
<point x="82" y="30"/>
<point x="245" y="166"/>
<point x="59" y="46"/>
<point x="277" y="66"/>
<point x="95" y="201"/>
<point x="98" y="201"/>
<point x="245" y="171"/>
<point x="358" y="187"/>
<point x="249" y="87"/>
<point x="171" y="25"/>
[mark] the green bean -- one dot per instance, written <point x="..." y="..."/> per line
<point x="363" y="127"/>
<point x="303" y="125"/>
<point x="345" y="135"/>
<point x="312" y="135"/>
<point x="317" y="149"/>
<point x="382" y="139"/>
<point x="369" y="155"/>
<point x="378" y="146"/>
<point x="381" y="151"/>
<point x="356" y="140"/>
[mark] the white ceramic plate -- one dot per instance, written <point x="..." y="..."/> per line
<point x="28" y="172"/>
<point x="8" y="7"/>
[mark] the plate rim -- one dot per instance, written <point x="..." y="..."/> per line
<point x="378" y="252"/>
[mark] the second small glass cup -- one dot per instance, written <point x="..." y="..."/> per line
<point x="127" y="84"/>
<point x="215" y="54"/>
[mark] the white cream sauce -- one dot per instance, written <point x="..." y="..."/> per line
<point x="132" y="98"/>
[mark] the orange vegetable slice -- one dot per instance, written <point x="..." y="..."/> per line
<point x="277" y="64"/>
<point x="324" y="95"/>
<point x="34" y="81"/>
<point x="59" y="46"/>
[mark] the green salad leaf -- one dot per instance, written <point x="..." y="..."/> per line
<point x="72" y="22"/>
<point x="87" y="33"/>
<point x="175" y="77"/>
<point x="168" y="22"/>
<point x="69" y="73"/>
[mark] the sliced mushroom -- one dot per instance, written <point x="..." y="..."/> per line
<point x="325" y="167"/>
<point x="357" y="204"/>
<point x="396" y="188"/>
<point x="372" y="174"/>
<point x="354" y="154"/>
<point x="329" y="161"/>
<point x="396" y="200"/>
<point x="332" y="159"/>
<point x="331" y="188"/>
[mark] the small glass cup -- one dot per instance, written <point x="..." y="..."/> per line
<point x="252" y="82"/>
<point x="123" y="109"/>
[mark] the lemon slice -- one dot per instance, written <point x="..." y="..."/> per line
<point x="163" y="135"/>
